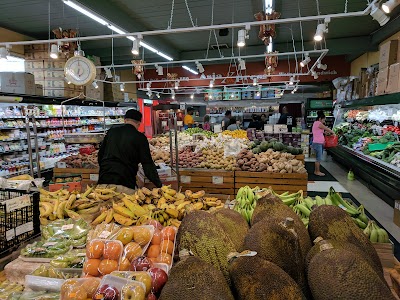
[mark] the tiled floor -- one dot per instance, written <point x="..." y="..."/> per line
<point x="381" y="211"/>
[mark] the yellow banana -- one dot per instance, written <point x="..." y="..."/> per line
<point x="155" y="193"/>
<point x="164" y="188"/>
<point x="100" y="218"/>
<point x="172" y="206"/>
<point x="52" y="217"/>
<point x="211" y="203"/>
<point x="105" y="197"/>
<point x="146" y="191"/>
<point x="180" y="197"/>
<point x="123" y="220"/>
<point x="182" y="205"/>
<point x="175" y="223"/>
<point x="123" y="211"/>
<point x="135" y="208"/>
<point x="169" y="197"/>
<point x="55" y="207"/>
<point x="106" y="191"/>
<point x="163" y="206"/>
<point x="91" y="210"/>
<point x="70" y="201"/>
<point x="188" y="193"/>
<point x="198" y="205"/>
<point x="48" y="209"/>
<point x="141" y="195"/>
<point x="198" y="194"/>
<point x="110" y="216"/>
<point x="44" y="221"/>
<point x="86" y="205"/>
<point x="161" y="201"/>
<point x="170" y="192"/>
<point x="72" y="214"/>
<point x="60" y="210"/>
<point x="172" y="212"/>
<point x="87" y="192"/>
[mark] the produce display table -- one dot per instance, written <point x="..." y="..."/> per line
<point x="280" y="183"/>
<point x="16" y="270"/>
<point x="88" y="176"/>
<point x="212" y="181"/>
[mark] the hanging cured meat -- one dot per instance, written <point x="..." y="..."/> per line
<point x="172" y="77"/>
<point x="66" y="48"/>
<point x="271" y="62"/>
<point x="267" y="31"/>
<point x="138" y="69"/>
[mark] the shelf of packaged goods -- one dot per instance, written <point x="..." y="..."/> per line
<point x="313" y="117"/>
<point x="372" y="101"/>
<point x="60" y="126"/>
<point x="48" y="117"/>
<point x="381" y="178"/>
<point x="23" y="172"/>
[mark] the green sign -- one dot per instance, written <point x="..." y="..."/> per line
<point x="321" y="104"/>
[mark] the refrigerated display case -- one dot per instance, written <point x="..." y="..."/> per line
<point x="316" y="104"/>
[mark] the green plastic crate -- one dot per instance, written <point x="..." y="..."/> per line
<point x="378" y="147"/>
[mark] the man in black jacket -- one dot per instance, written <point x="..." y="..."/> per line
<point x="123" y="148"/>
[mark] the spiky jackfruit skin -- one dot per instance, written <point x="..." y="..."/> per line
<point x="254" y="278"/>
<point x="201" y="233"/>
<point x="271" y="206"/>
<point x="234" y="225"/>
<point x="194" y="279"/>
<point x="338" y="274"/>
<point x="279" y="245"/>
<point x="332" y="222"/>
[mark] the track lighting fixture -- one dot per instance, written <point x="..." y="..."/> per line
<point x="3" y="53"/>
<point x="176" y="85"/>
<point x="232" y="95"/>
<point x="322" y="66"/>
<point x="314" y="74"/>
<point x="199" y="67"/>
<point x="149" y="94"/>
<point x="160" y="70"/>
<point x="158" y="95"/>
<point x="321" y="30"/>
<point x="306" y="60"/>
<point x="255" y="81"/>
<point x="122" y="87"/>
<point x="388" y="6"/>
<point x="66" y="80"/>
<point x="212" y="83"/>
<point x="378" y="15"/>
<point x="242" y="64"/>
<point x="291" y="81"/>
<point x="148" y="86"/>
<point x="95" y="85"/>
<point x="243" y="36"/>
<point x="135" y="47"/>
<point x="258" y="94"/>
<point x="108" y="72"/>
<point x="172" y="94"/>
<point x="54" y="51"/>
<point x="191" y="96"/>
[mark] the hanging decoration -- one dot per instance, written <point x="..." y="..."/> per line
<point x="66" y="48"/>
<point x="138" y="69"/>
<point x="267" y="31"/>
<point x="172" y="77"/>
<point x="271" y="62"/>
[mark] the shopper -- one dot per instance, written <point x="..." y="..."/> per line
<point x="188" y="121"/>
<point x="284" y="116"/>
<point x="206" y="123"/>
<point x="228" y="116"/>
<point x="233" y="125"/>
<point x="318" y="131"/>
<point x="264" y="119"/>
<point x="255" y="122"/>
<point x="123" y="148"/>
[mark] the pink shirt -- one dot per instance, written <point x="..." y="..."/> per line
<point x="318" y="133"/>
<point x="206" y="126"/>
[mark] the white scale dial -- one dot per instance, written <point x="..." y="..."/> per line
<point x="80" y="71"/>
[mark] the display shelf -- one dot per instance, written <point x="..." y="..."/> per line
<point x="372" y="101"/>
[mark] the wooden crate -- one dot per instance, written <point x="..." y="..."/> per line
<point x="280" y="183"/>
<point x="385" y="253"/>
<point x="86" y="174"/>
<point x="211" y="181"/>
<point x="300" y="157"/>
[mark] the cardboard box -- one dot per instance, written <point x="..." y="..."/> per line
<point x="94" y="93"/>
<point x="17" y="83"/>
<point x="389" y="54"/>
<point x="393" y="85"/>
<point x="70" y="186"/>
<point x="382" y="81"/>
<point x="396" y="217"/>
<point x="38" y="89"/>
<point x="280" y="128"/>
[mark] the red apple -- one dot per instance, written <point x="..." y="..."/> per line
<point x="159" y="278"/>
<point x="141" y="263"/>
<point x="106" y="292"/>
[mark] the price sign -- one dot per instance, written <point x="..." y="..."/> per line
<point x="67" y="227"/>
<point x="217" y="180"/>
<point x="186" y="179"/>
<point x="61" y="165"/>
<point x="217" y="128"/>
<point x="24" y="228"/>
<point x="17" y="203"/>
<point x="182" y="106"/>
<point x="94" y="177"/>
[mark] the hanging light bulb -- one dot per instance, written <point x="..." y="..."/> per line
<point x="291" y="82"/>
<point x="95" y="85"/>
<point x="191" y="96"/>
<point x="199" y="67"/>
<point x="306" y="60"/>
<point x="388" y="6"/>
<point x="378" y="15"/>
<point x="322" y="66"/>
<point x="255" y="81"/>
<point x="212" y="83"/>
<point x="135" y="47"/>
<point x="54" y="51"/>
<point x="314" y="74"/>
<point x="176" y="85"/>
<point x="122" y="87"/>
<point x="242" y="36"/>
<point x="158" y="95"/>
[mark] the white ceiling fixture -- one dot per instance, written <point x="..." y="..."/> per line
<point x="314" y="74"/>
<point x="91" y="14"/>
<point x="190" y="70"/>
<point x="255" y="81"/>
<point x="172" y="94"/>
<point x="176" y="85"/>
<point x="243" y="36"/>
<point x="3" y="53"/>
<point x="378" y="15"/>
<point x="95" y="85"/>
<point x="321" y="66"/>
<point x="242" y="64"/>
<point x="136" y="46"/>
<point x="191" y="96"/>
<point x="148" y="86"/>
<point x="108" y="72"/>
<point x="54" y="50"/>
<point x="211" y="83"/>
<point x="122" y="87"/>
<point x="321" y="30"/>
<point x="306" y="60"/>
<point x="291" y="81"/>
<point x="388" y="6"/>
<point x="199" y="67"/>
<point x="158" y="95"/>
<point x="159" y="69"/>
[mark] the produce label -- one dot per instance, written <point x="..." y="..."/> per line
<point x="94" y="177"/>
<point x="49" y="244"/>
<point x="61" y="165"/>
<point x="18" y="203"/>
<point x="67" y="227"/>
<point x="105" y="234"/>
<point x="24" y="228"/>
<point x="186" y="179"/>
<point x="217" y="180"/>
<point x="10" y="234"/>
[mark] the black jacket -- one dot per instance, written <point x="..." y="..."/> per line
<point x="123" y="148"/>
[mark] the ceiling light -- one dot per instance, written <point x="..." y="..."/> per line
<point x="210" y="97"/>
<point x="199" y="67"/>
<point x="191" y="96"/>
<point x="172" y="94"/>
<point x="165" y="56"/>
<point x="232" y="95"/>
<point x="306" y="61"/>
<point x="148" y="86"/>
<point x="258" y="94"/>
<point x="212" y="83"/>
<point x="143" y="44"/>
<point x="291" y="81"/>
<point x="282" y="92"/>
<point x="95" y="85"/>
<point x="158" y="95"/>
<point x="388" y="6"/>
<point x="54" y="51"/>
<point x="108" y="72"/>
<point x="378" y="15"/>
<point x="190" y="70"/>
<point x="314" y="74"/>
<point x="254" y="81"/>
<point x="116" y="29"/>
<point x="3" y="53"/>
<point x="319" y="34"/>
<point x="122" y="87"/>
<point x="176" y="85"/>
<point x="84" y="11"/>
<point x="242" y="36"/>
<point x="322" y="66"/>
<point x="135" y="47"/>
<point x="242" y="64"/>
<point x="160" y="70"/>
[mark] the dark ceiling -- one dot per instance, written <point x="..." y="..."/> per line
<point x="349" y="36"/>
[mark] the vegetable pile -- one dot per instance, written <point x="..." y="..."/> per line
<point x="82" y="161"/>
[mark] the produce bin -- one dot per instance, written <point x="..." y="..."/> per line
<point x="385" y="252"/>
<point x="89" y="176"/>
<point x="211" y="181"/>
<point x="280" y="183"/>
<point x="19" y="218"/>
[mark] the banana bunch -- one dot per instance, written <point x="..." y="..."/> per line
<point x="375" y="233"/>
<point x="289" y="199"/>
<point x="164" y="218"/>
<point x="7" y="288"/>
<point x="246" y="202"/>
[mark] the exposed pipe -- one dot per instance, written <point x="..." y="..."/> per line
<point x="201" y="28"/>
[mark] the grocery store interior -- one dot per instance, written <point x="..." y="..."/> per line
<point x="186" y="149"/>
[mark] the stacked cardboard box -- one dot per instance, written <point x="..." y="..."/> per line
<point x="388" y="80"/>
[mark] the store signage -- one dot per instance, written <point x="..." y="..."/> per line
<point x="94" y="177"/>
<point x="182" y="106"/>
<point x="10" y="234"/>
<point x="217" y="128"/>
<point x="18" y="203"/>
<point x="61" y="165"/>
<point x="24" y="228"/>
<point x="217" y="180"/>
<point x="186" y="179"/>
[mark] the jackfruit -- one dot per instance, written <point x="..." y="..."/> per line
<point x="201" y="233"/>
<point x="234" y="225"/>
<point x="254" y="278"/>
<point x="277" y="241"/>
<point x="195" y="279"/>
<point x="271" y="206"/>
<point x="336" y="274"/>
<point x="332" y="222"/>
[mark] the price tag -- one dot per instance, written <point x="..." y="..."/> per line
<point x="24" y="228"/>
<point x="186" y="179"/>
<point x="67" y="227"/>
<point x="325" y="247"/>
<point x="217" y="128"/>
<point x="61" y="165"/>
<point x="18" y="203"/>
<point x="105" y="234"/>
<point x="179" y="123"/>
<point x="49" y="244"/>
<point x="94" y="177"/>
<point x="10" y="234"/>
<point x="217" y="180"/>
<point x="182" y="106"/>
<point x="81" y="255"/>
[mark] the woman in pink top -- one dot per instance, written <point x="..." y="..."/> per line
<point x="318" y="130"/>
<point x="206" y="123"/>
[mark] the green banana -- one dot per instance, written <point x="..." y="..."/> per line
<point x="367" y="230"/>
<point x="338" y="201"/>
<point x="360" y="223"/>
<point x="328" y="200"/>
<point x="309" y="202"/>
<point x="374" y="234"/>
<point x="362" y="215"/>
<point x="319" y="200"/>
<point x="303" y="209"/>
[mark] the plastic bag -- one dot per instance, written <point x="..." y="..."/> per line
<point x="331" y="141"/>
<point x="232" y="148"/>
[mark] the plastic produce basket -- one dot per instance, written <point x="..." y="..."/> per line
<point x="378" y="147"/>
<point x="19" y="218"/>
